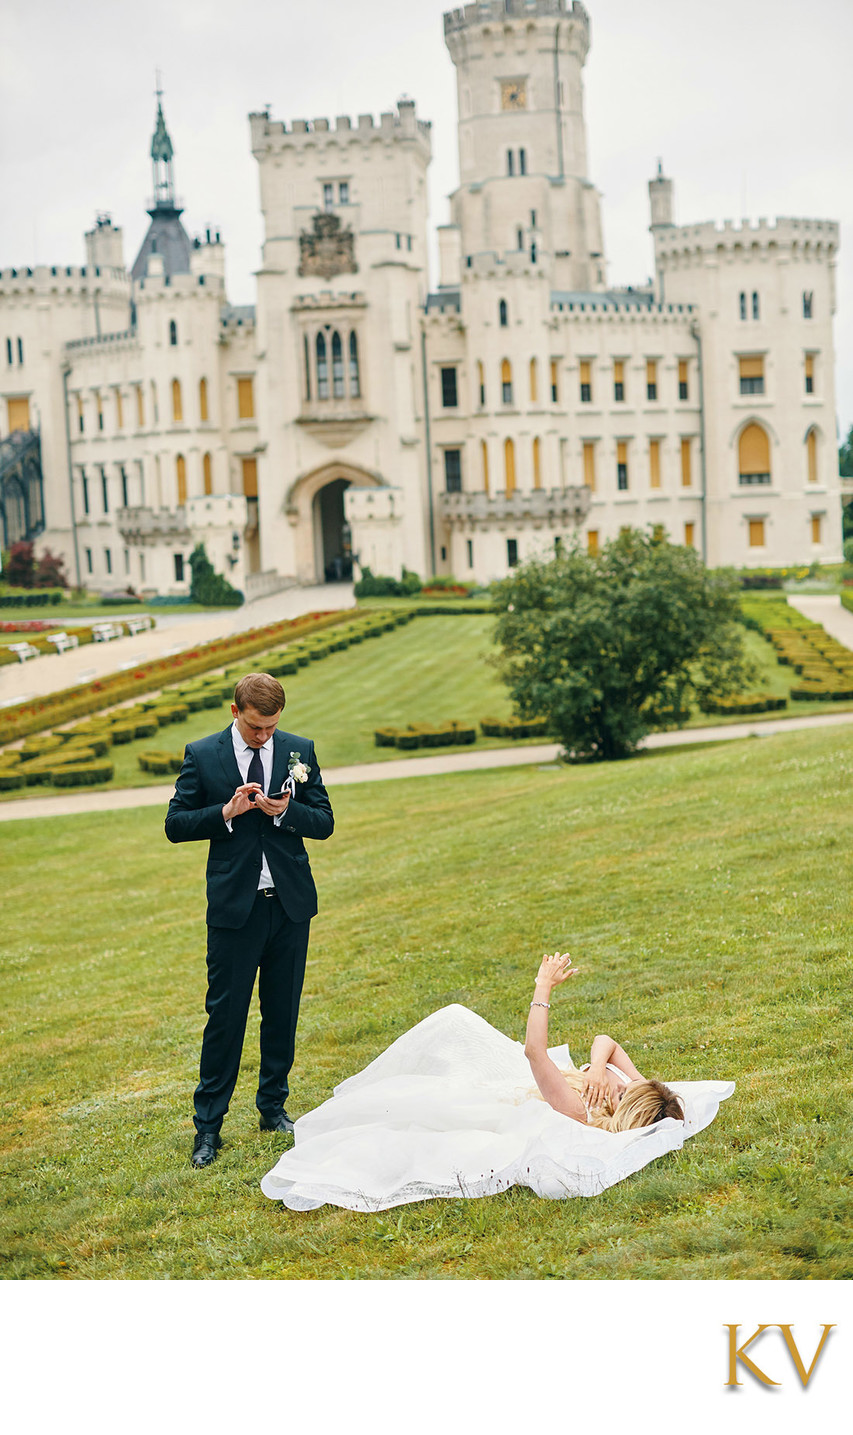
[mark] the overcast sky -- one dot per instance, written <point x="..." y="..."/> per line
<point x="746" y="101"/>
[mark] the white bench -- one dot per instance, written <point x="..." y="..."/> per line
<point x="63" y="641"/>
<point x="103" y="632"/>
<point x="138" y="625"/>
<point x="23" y="651"/>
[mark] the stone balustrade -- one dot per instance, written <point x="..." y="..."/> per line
<point x="536" y="508"/>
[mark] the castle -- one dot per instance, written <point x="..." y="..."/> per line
<point x="352" y="417"/>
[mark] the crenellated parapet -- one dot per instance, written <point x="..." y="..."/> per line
<point x="45" y="280"/>
<point x="820" y="237"/>
<point x="490" y="12"/>
<point x="393" y="127"/>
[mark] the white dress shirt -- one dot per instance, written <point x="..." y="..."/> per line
<point x="243" y="753"/>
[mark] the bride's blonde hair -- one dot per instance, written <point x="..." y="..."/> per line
<point x="646" y="1103"/>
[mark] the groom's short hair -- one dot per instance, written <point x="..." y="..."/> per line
<point x="261" y="692"/>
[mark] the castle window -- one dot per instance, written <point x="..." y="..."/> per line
<point x="509" y="466"/>
<point x="686" y="462"/>
<point x="586" y="381"/>
<point x="510" y="162"/>
<point x="522" y="161"/>
<point x="88" y="553"/>
<point x="756" y="308"/>
<point x="9" y="353"/>
<point x="20" y="351"/>
<point x="592" y="542"/>
<point x="751" y="370"/>
<point x="245" y="399"/>
<point x="124" y="493"/>
<point x="651" y="379"/>
<point x="589" y="466"/>
<point x="119" y="410"/>
<point x="470" y="548"/>
<point x="519" y="238"/>
<point x="506" y="382"/>
<point x="808" y="303"/>
<point x="756" y="532"/>
<point x="754" y="456"/>
<point x="622" y="467"/>
<point x="80" y="421"/>
<point x="533" y="252"/>
<point x="354" y="379"/>
<point x="683" y="389"/>
<point x="177" y="402"/>
<point x="179" y="567"/>
<point x="618" y="381"/>
<point x="181" y="476"/>
<point x="322" y="368"/>
<point x="742" y="305"/>
<point x="533" y="219"/>
<point x="537" y="463"/>
<point x="398" y="240"/>
<point x="816" y="527"/>
<point x="654" y="463"/>
<point x="338" y="388"/>
<point x="105" y="491"/>
<point x="250" y="477"/>
<point x="811" y="455"/>
<point x="207" y="473"/>
<point x="555" y="383"/>
<point x="155" y="409"/>
<point x="503" y="316"/>
<point x="484" y="460"/>
<point x="453" y="470"/>
<point x="343" y="192"/>
<point x="173" y="333"/>
<point x="202" y="401"/>
<point x="306" y="353"/>
<point x="449" y="394"/>
<point x="84" y="486"/>
<point x="534" y="381"/>
<point x="409" y="243"/>
<point x="809" y="373"/>
<point x="100" y="412"/>
<point x="481" y="379"/>
<point x="328" y="195"/>
<point x="140" y="407"/>
<point x="689" y="535"/>
<point x="512" y="552"/>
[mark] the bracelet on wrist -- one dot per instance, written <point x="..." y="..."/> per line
<point x="547" y="1005"/>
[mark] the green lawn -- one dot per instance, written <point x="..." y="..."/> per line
<point x="706" y="895"/>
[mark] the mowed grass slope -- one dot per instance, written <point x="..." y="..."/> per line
<point x="707" y="899"/>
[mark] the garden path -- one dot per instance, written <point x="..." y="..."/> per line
<point x="435" y="766"/>
<point x="825" y="608"/>
<point x="53" y="671"/>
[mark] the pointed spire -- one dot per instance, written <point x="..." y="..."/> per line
<point x="162" y="154"/>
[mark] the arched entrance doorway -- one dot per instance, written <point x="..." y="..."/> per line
<point x="332" y="538"/>
<point x="315" y="506"/>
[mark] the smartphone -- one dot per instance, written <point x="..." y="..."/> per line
<point x="277" y="796"/>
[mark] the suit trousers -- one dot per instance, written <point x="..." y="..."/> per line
<point x="273" y="946"/>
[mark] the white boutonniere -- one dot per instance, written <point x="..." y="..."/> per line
<point x="296" y="768"/>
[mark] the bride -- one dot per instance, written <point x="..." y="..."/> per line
<point x="449" y="1110"/>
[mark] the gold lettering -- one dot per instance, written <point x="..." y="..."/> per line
<point x="805" y="1375"/>
<point x="736" y="1353"/>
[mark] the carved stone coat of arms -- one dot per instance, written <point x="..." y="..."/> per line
<point x="329" y="250"/>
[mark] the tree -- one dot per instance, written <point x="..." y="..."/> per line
<point x="209" y="587"/>
<point x="845" y="456"/>
<point x="21" y="566"/>
<point x="50" y="571"/>
<point x="608" y="647"/>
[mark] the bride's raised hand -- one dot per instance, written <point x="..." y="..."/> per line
<point x="555" y="969"/>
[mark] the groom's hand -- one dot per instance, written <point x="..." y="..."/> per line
<point x="241" y="802"/>
<point x="271" y="806"/>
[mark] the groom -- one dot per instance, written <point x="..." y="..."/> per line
<point x="254" y="793"/>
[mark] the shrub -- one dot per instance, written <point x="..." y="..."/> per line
<point x="86" y="774"/>
<point x="209" y="587"/>
<point x="385" y="737"/>
<point x="744" y="705"/>
<point x="162" y="763"/>
<point x="170" y="712"/>
<point x="10" y="779"/>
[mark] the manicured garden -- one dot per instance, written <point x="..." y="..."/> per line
<point x="705" y="895"/>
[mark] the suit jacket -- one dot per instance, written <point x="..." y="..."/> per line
<point x="207" y="780"/>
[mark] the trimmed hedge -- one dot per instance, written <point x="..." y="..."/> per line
<point x="514" y="728"/>
<point x="425" y="734"/>
<point x="163" y="763"/>
<point x="758" y="703"/>
<point x="86" y="774"/>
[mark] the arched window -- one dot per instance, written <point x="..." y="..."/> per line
<point x="756" y="308"/>
<point x="537" y="463"/>
<point x="742" y="305"/>
<point x="519" y="238"/>
<point x="754" y="455"/>
<point x="481" y="380"/>
<point x="207" y="472"/>
<point x="338" y="390"/>
<point x="322" y="368"/>
<point x="354" y="379"/>
<point x="506" y="382"/>
<point x="510" y="162"/>
<point x="173" y="333"/>
<point x="533" y="252"/>
<point x="181" y="469"/>
<point x="522" y="161"/>
<point x="509" y="466"/>
<point x="177" y="403"/>
<point x="811" y="454"/>
<point x="484" y="456"/>
<point x="306" y="354"/>
<point x="534" y="382"/>
<point x="202" y="400"/>
<point x="503" y="317"/>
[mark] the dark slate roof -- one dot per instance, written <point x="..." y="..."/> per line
<point x="599" y="299"/>
<point x="166" y="236"/>
<point x="237" y="314"/>
<point x="444" y="299"/>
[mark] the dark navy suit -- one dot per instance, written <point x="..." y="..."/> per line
<point x="248" y="933"/>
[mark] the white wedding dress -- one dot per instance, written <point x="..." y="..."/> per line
<point x="449" y="1110"/>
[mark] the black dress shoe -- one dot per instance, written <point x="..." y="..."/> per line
<point x="282" y="1122"/>
<point x="205" y="1147"/>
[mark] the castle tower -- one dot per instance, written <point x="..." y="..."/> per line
<point x="166" y="235"/>
<point x="522" y="137"/>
